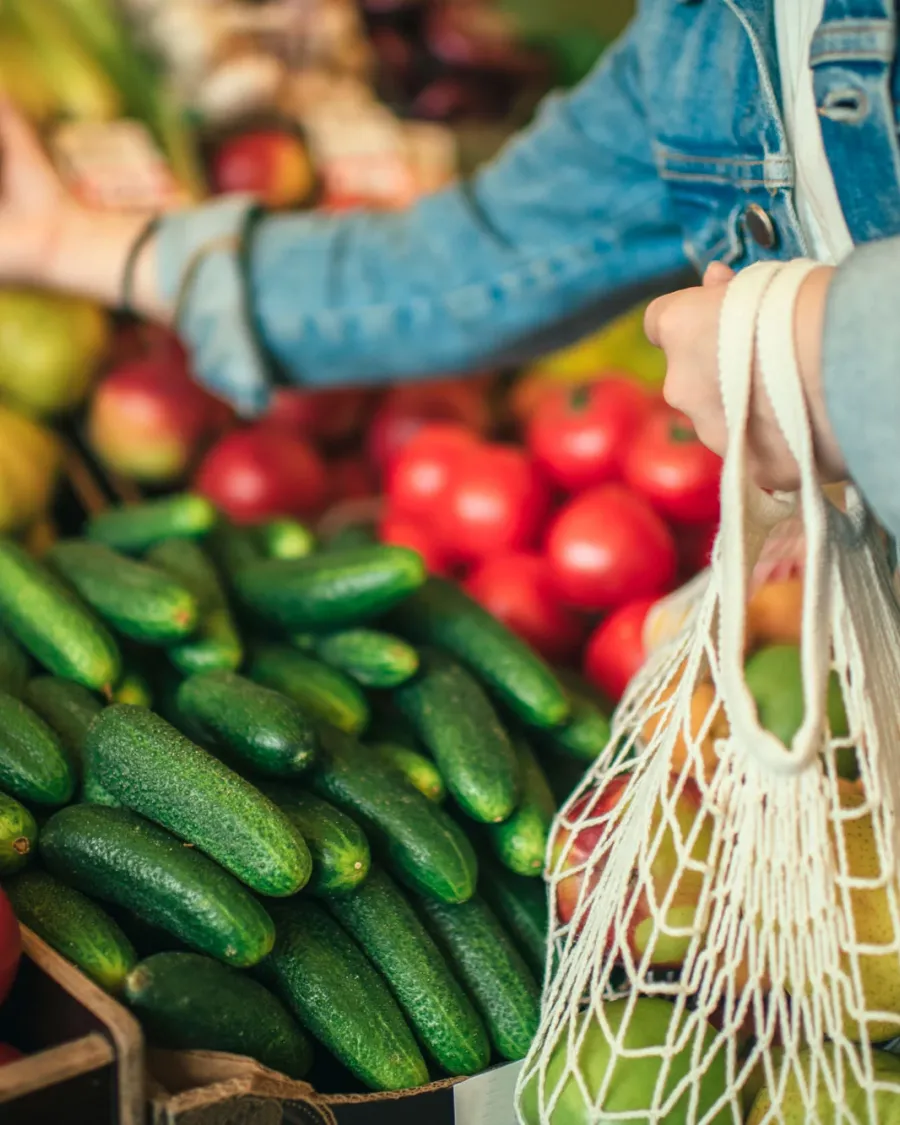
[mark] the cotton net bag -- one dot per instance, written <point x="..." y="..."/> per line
<point x="724" y="907"/>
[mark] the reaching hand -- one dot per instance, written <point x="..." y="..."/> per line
<point x="34" y="204"/>
<point x="686" y="326"/>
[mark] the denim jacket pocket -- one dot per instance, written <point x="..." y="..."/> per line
<point x="711" y="194"/>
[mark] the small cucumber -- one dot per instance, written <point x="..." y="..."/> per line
<point x="18" y="835"/>
<point x="330" y="591"/>
<point x="339" y="848"/>
<point x="520" y="842"/>
<point x="139" y="601"/>
<point x="259" y="727"/>
<point x="442" y="614"/>
<point x="489" y="965"/>
<point x="57" y="629"/>
<point x="233" y="548"/>
<point x="415" y="767"/>
<point x="350" y="536"/>
<point x="138" y="527"/>
<point x="373" y="659"/>
<point x="117" y="856"/>
<point x="34" y="767"/>
<point x="456" y="721"/>
<point x="322" y="692"/>
<point x="93" y="793"/>
<point x="187" y="1002"/>
<point x="286" y="539"/>
<point x="386" y="926"/>
<point x="13" y="665"/>
<point x="145" y="763"/>
<point x="133" y="689"/>
<point x="417" y="840"/>
<point x="66" y="707"/>
<point x="326" y="980"/>
<point x="587" y="731"/>
<point x="74" y="926"/>
<point x="521" y="906"/>
<point x="217" y="643"/>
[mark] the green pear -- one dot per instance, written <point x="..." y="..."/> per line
<point x="634" y="1080"/>
<point x="855" y="1102"/>
<point x="775" y="679"/>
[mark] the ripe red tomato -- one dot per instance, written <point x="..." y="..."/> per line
<point x="10" y="946"/>
<point x="497" y="501"/>
<point x="695" y="546"/>
<point x="616" y="650"/>
<point x="405" y="532"/>
<point x="420" y="474"/>
<point x="518" y="590"/>
<point x="405" y="410"/>
<point x="672" y="468"/>
<point x="607" y="547"/>
<point x="580" y="435"/>
<point x="351" y="478"/>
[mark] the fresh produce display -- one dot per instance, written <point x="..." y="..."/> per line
<point x="255" y="780"/>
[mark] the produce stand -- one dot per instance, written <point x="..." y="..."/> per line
<point x="87" y="1049"/>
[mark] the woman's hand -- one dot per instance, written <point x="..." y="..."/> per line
<point x="686" y="326"/>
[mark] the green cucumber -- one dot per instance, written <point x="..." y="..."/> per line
<point x="18" y="835"/>
<point x="259" y="727"/>
<point x="286" y="539"/>
<point x="442" y="614"/>
<point x="418" y="841"/>
<point x="117" y="856"/>
<point x="520" y="842"/>
<point x="134" y="689"/>
<point x="137" y="600"/>
<point x="13" y="665"/>
<point x="187" y="1002"/>
<point x="217" y="643"/>
<point x="339" y="848"/>
<point x="373" y="659"/>
<point x="587" y="731"/>
<point x="34" y="767"/>
<point x="150" y="767"/>
<point x="66" y="707"/>
<point x="330" y="591"/>
<point x="500" y="983"/>
<point x="57" y="629"/>
<point x="333" y="990"/>
<point x="74" y="926"/>
<point x="136" y="528"/>
<point x="351" y="535"/>
<point x="322" y="692"/>
<point x="457" y="723"/>
<point x="415" y="767"/>
<point x="233" y="548"/>
<point x="93" y="793"/>
<point x="521" y="906"/>
<point x="386" y="926"/>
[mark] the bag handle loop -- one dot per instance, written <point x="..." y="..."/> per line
<point x="757" y="324"/>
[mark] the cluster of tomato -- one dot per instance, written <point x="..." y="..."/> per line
<point x="609" y="501"/>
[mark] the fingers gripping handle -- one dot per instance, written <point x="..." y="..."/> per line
<point x="757" y="324"/>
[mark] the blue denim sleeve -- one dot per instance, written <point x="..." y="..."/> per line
<point x="546" y="242"/>
<point x="861" y="381"/>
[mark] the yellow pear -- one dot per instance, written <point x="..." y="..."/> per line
<point x="51" y="348"/>
<point x="29" y="468"/>
<point x="854" y="1105"/>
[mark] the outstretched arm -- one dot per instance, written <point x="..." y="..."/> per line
<point x="536" y="248"/>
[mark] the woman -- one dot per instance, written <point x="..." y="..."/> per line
<point x="714" y="134"/>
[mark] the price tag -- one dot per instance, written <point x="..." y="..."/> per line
<point x="489" y="1098"/>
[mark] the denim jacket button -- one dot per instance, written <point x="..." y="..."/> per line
<point x="760" y="226"/>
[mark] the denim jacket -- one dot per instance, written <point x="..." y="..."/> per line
<point x="672" y="154"/>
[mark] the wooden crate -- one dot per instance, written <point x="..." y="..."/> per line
<point x="85" y="1062"/>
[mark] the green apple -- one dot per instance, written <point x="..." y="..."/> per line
<point x="633" y="1083"/>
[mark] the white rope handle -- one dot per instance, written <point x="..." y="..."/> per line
<point x="757" y="323"/>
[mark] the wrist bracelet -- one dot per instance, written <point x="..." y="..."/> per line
<point x="128" y="271"/>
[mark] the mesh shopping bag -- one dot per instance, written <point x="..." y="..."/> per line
<point x="724" y="908"/>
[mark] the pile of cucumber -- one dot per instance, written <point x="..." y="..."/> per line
<point x="267" y="791"/>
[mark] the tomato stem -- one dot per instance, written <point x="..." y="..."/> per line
<point x="580" y="398"/>
<point x="682" y="434"/>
